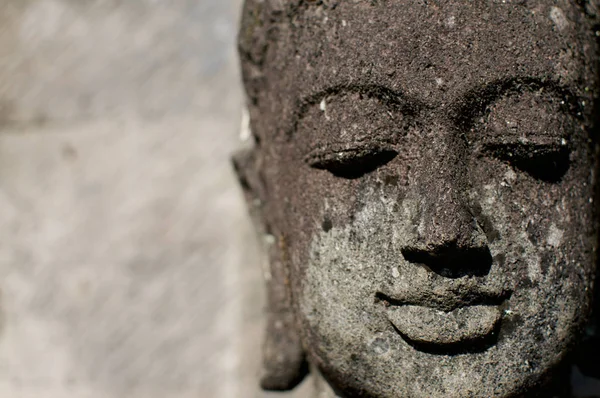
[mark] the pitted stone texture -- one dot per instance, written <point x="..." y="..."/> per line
<point x="433" y="159"/>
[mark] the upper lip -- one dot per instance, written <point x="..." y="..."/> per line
<point x="445" y="300"/>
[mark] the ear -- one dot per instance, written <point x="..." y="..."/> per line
<point x="284" y="360"/>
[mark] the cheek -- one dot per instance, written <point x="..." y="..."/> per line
<point x="317" y="202"/>
<point x="540" y="235"/>
<point x="357" y="243"/>
<point x="343" y="270"/>
<point x="520" y="216"/>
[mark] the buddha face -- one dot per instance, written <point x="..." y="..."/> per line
<point x="431" y="177"/>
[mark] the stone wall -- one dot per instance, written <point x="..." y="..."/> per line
<point x="128" y="266"/>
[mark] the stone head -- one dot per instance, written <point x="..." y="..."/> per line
<point x="425" y="173"/>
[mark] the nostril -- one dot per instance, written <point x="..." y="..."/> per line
<point x="452" y="261"/>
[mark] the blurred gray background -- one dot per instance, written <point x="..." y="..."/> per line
<point x="128" y="264"/>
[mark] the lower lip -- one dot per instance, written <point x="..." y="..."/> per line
<point x="430" y="326"/>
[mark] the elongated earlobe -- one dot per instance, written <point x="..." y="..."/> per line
<point x="284" y="360"/>
<point x="283" y="356"/>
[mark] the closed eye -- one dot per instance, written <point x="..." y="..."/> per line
<point x="544" y="162"/>
<point x="351" y="163"/>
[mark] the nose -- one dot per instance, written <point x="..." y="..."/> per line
<point x="448" y="239"/>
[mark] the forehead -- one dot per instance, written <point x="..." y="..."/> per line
<point x="436" y="51"/>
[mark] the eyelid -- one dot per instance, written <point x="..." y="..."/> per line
<point x="351" y="162"/>
<point x="338" y="151"/>
<point x="531" y="142"/>
<point x="547" y="162"/>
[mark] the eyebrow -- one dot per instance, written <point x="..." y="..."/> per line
<point x="466" y="110"/>
<point x="475" y="102"/>
<point x="391" y="98"/>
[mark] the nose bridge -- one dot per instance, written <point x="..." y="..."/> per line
<point x="447" y="238"/>
<point x="445" y="218"/>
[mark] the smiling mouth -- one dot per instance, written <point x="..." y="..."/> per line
<point x="452" y="326"/>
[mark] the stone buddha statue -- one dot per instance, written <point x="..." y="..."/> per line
<point x="425" y="173"/>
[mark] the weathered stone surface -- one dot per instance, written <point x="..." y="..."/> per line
<point x="426" y="174"/>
